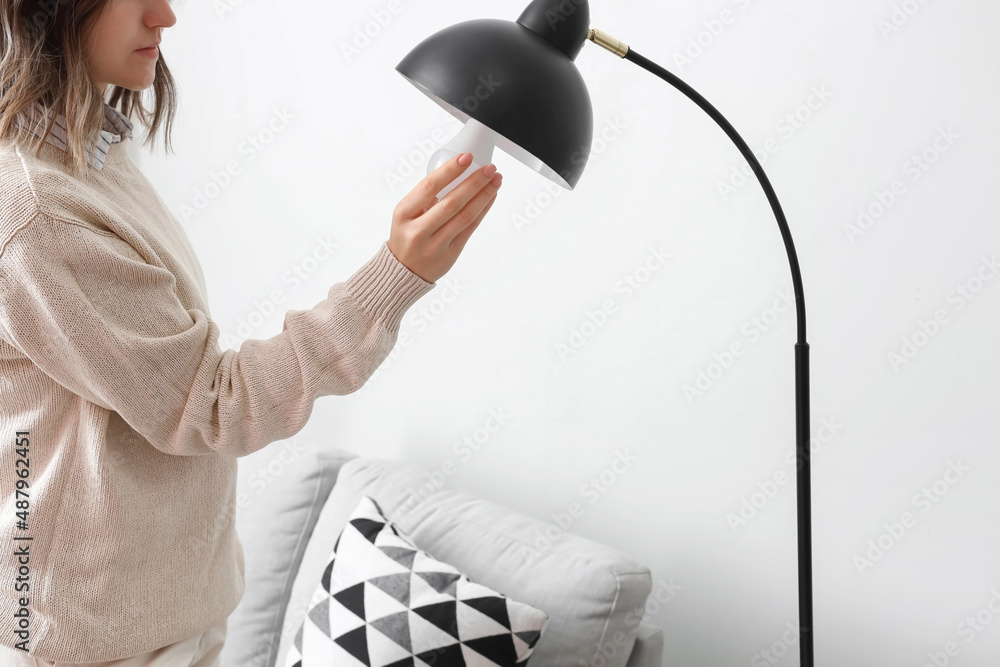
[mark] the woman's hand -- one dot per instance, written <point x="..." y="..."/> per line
<point x="428" y="235"/>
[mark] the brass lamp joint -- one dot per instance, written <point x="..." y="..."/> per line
<point x="613" y="45"/>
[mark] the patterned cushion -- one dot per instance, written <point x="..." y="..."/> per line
<point x="382" y="602"/>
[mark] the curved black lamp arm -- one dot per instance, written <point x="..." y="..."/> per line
<point x="802" y="477"/>
<point x="793" y="260"/>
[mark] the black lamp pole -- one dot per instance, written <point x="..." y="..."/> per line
<point x="802" y="476"/>
<point x="518" y="80"/>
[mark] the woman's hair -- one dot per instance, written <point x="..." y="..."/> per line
<point x="43" y="60"/>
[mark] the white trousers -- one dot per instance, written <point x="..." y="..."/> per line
<point x="202" y="650"/>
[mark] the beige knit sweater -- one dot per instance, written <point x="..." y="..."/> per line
<point x="122" y="418"/>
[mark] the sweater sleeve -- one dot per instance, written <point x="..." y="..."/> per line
<point x="86" y="308"/>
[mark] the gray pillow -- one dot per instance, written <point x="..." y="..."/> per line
<point x="275" y="529"/>
<point x="594" y="594"/>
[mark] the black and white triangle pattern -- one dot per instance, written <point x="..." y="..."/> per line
<point x="382" y="602"/>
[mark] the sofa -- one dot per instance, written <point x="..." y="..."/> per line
<point x="293" y="503"/>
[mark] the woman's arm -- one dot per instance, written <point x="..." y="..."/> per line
<point x="87" y="310"/>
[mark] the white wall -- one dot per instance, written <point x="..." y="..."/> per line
<point x="896" y="429"/>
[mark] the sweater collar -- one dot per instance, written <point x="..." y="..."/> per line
<point x="115" y="127"/>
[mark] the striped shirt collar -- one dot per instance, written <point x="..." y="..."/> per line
<point x="115" y="127"/>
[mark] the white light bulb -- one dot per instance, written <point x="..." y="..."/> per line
<point x="473" y="138"/>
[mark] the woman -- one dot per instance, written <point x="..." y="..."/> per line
<point x="122" y="419"/>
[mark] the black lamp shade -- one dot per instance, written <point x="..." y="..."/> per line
<point x="517" y="83"/>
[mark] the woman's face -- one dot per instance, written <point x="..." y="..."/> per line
<point x="113" y="44"/>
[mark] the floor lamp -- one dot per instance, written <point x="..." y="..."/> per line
<point x="515" y="86"/>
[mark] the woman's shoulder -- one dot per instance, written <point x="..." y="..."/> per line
<point x="15" y="180"/>
<point x="32" y="184"/>
<point x="43" y="169"/>
<point x="18" y="203"/>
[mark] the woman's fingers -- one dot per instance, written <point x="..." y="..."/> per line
<point x="470" y="214"/>
<point x="424" y="195"/>
<point x="458" y="243"/>
<point x="460" y="206"/>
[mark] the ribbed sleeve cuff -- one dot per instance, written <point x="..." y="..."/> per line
<point x="385" y="288"/>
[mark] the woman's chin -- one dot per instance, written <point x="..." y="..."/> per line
<point x="137" y="85"/>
